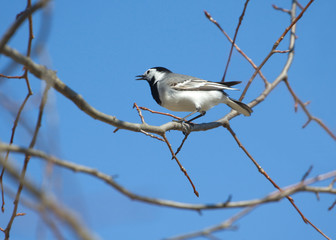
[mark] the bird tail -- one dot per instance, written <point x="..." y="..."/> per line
<point x="239" y="107"/>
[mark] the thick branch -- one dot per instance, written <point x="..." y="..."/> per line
<point x="49" y="76"/>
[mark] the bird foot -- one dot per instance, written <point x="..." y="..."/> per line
<point x="186" y="127"/>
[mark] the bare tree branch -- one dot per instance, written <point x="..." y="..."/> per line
<point x="41" y="210"/>
<point x="10" y="32"/>
<point x="291" y="27"/>
<point x="47" y="202"/>
<point x="52" y="80"/>
<point x="107" y="178"/>
<point x="228" y="223"/>
<point x="26" y="161"/>
<point x="309" y="115"/>
<point x="21" y="18"/>
<point x="50" y="77"/>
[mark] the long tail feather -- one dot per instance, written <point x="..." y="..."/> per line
<point x="229" y="84"/>
<point x="239" y="107"/>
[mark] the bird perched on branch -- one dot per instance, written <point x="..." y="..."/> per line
<point x="182" y="93"/>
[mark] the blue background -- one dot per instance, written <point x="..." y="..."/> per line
<point x="98" y="47"/>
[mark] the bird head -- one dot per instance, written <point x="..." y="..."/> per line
<point x="154" y="74"/>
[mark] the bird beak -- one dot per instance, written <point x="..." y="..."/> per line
<point x="140" y="77"/>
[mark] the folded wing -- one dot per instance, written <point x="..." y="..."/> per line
<point x="203" y="85"/>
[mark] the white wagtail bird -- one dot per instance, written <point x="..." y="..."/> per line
<point x="182" y="93"/>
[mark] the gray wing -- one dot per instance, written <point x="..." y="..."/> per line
<point x="188" y="83"/>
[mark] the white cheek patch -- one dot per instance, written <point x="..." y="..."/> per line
<point x="158" y="76"/>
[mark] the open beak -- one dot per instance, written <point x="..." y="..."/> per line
<point x="140" y="77"/>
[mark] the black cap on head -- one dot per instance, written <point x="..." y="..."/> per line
<point x="161" y="69"/>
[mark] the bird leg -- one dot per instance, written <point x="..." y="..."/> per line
<point x="200" y="115"/>
<point x="184" y="119"/>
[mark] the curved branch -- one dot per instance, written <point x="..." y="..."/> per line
<point x="273" y="197"/>
<point x="50" y="77"/>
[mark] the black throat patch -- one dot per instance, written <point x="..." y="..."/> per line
<point x="155" y="92"/>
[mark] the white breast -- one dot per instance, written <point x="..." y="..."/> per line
<point x="189" y="101"/>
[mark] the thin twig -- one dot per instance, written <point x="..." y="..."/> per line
<point x="262" y="171"/>
<point x="11" y="142"/>
<point x="143" y="121"/>
<point x="234" y="39"/>
<point x="227" y="224"/>
<point x="207" y="14"/>
<point x="309" y="115"/>
<point x="299" y="4"/>
<point x="181" y="145"/>
<point x="30" y="40"/>
<point x="275" y="45"/>
<point x="332" y="206"/>
<point x="11" y="77"/>
<point x="26" y="161"/>
<point x="152" y="135"/>
<point x="162" y="113"/>
<point x="307" y="173"/>
<point x="139" y="112"/>
<point x="331" y="185"/>
<point x="281" y="9"/>
<point x="180" y="165"/>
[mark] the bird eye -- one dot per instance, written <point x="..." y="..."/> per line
<point x="147" y="72"/>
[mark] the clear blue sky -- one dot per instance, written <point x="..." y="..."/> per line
<point x="97" y="48"/>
